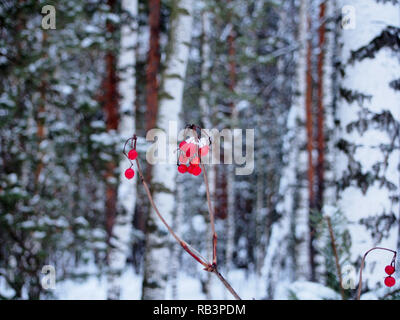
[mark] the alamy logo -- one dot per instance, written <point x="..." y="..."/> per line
<point x="49" y="20"/>
<point x="49" y="280"/>
<point x="230" y="144"/>
<point x="348" y="18"/>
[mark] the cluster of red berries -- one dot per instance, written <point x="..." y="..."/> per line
<point x="132" y="155"/>
<point x="191" y="150"/>
<point x="389" y="280"/>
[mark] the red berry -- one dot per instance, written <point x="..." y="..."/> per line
<point x="195" y="161"/>
<point x="389" y="270"/>
<point x="182" y="168"/>
<point x="204" y="150"/>
<point x="183" y="158"/>
<point x="190" y="150"/>
<point x="190" y="169"/>
<point x="132" y="155"/>
<point x="390" y="281"/>
<point x="129" y="173"/>
<point x="196" y="171"/>
<point x="181" y="145"/>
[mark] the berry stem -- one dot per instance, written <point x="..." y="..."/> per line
<point x="210" y="208"/>
<point x="210" y="267"/>
<point x="182" y="243"/>
<point x="363" y="262"/>
<point x="211" y="214"/>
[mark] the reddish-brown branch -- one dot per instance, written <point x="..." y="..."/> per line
<point x="226" y="284"/>
<point x="211" y="214"/>
<point x="320" y="113"/>
<point x="110" y="105"/>
<point x="362" y="266"/>
<point x="310" y="147"/>
<point x="153" y="64"/>
<point x="335" y="253"/>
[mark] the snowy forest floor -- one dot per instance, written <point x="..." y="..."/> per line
<point x="190" y="288"/>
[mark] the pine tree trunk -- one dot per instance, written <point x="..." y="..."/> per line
<point x="367" y="173"/>
<point x="310" y="148"/>
<point x="41" y="120"/>
<point x="320" y="113"/>
<point x="121" y="241"/>
<point x="110" y="101"/>
<point x="231" y="197"/>
<point x="156" y="268"/>
<point x="153" y="64"/>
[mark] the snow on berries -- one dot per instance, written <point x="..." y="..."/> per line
<point x="190" y="153"/>
<point x="204" y="151"/>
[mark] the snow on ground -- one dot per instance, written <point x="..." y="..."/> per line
<point x="189" y="288"/>
<point x="305" y="290"/>
<point x="95" y="288"/>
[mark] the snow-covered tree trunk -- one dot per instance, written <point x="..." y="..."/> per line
<point x="156" y="266"/>
<point x="121" y="235"/>
<point x="328" y="77"/>
<point x="330" y="82"/>
<point x="286" y="255"/>
<point x="230" y="181"/>
<point x="368" y="113"/>
<point x="176" y="226"/>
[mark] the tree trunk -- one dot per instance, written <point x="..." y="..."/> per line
<point x="287" y="253"/>
<point x="320" y="114"/>
<point x="310" y="149"/>
<point x="156" y="267"/>
<point x="153" y="64"/>
<point x="368" y="110"/>
<point x="121" y="241"/>
<point x="110" y="101"/>
<point x="230" y="225"/>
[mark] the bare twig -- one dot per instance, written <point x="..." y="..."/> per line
<point x="210" y="267"/>
<point x="363" y="262"/>
<point x="210" y="207"/>
<point x="334" y="248"/>
<point x="226" y="284"/>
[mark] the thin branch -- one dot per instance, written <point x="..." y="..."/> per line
<point x="362" y="266"/>
<point x="334" y="248"/>
<point x="226" y="284"/>
<point x="183" y="244"/>
<point x="211" y="214"/>
<point x="207" y="266"/>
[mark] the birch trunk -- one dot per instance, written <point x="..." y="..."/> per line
<point x="156" y="268"/>
<point x="286" y="255"/>
<point x="127" y="188"/>
<point x="368" y="177"/>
